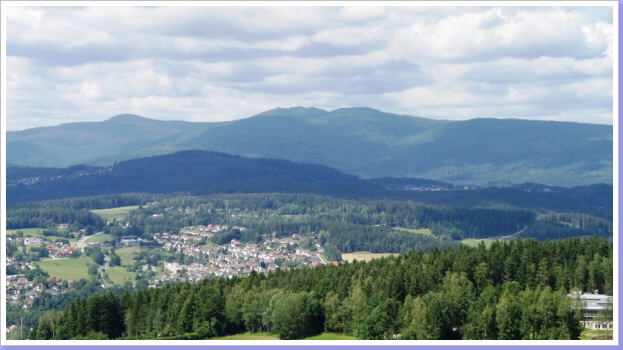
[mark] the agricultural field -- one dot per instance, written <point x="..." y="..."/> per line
<point x="367" y="256"/>
<point x="67" y="268"/>
<point x="114" y="213"/>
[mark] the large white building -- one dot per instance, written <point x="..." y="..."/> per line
<point x="591" y="305"/>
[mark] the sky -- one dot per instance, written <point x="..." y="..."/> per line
<point x="218" y="63"/>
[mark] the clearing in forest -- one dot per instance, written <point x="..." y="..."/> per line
<point x="114" y="213"/>
<point x="367" y="256"/>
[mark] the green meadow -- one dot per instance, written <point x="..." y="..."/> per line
<point x="596" y="334"/>
<point x="114" y="213"/>
<point x="268" y="336"/>
<point x="33" y="232"/>
<point x="119" y="275"/>
<point x="419" y="231"/>
<point x="127" y="254"/>
<point x="248" y="336"/>
<point x="331" y="336"/>
<point x="67" y="268"/>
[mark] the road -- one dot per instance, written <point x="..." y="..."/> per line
<point x="82" y="242"/>
<point x="502" y="238"/>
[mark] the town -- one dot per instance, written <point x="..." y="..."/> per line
<point x="205" y="260"/>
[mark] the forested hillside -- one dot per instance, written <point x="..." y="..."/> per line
<point x="349" y="225"/>
<point x="198" y="172"/>
<point x="511" y="290"/>
<point x="190" y="171"/>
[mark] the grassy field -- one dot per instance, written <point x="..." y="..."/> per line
<point x="331" y="336"/>
<point x="419" y="231"/>
<point x="209" y="246"/>
<point x="100" y="238"/>
<point x="67" y="269"/>
<point x="118" y="275"/>
<point x="360" y="256"/>
<point x="595" y="334"/>
<point x="114" y="213"/>
<point x="476" y="242"/>
<point x="125" y="253"/>
<point x="249" y="336"/>
<point x="268" y="336"/>
<point x="33" y="232"/>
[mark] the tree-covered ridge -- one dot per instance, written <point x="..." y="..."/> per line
<point x="511" y="290"/>
<point x="189" y="171"/>
<point x="348" y="225"/>
<point x="354" y="220"/>
<point x="198" y="172"/>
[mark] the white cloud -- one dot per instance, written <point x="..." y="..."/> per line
<point x="32" y="25"/>
<point x="499" y="32"/>
<point x="350" y="35"/>
<point x="226" y="63"/>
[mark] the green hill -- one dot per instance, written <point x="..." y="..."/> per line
<point x="185" y="171"/>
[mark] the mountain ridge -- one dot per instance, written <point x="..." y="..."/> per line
<point x="359" y="141"/>
<point x="205" y="172"/>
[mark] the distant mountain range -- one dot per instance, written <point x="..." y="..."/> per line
<point x="357" y="141"/>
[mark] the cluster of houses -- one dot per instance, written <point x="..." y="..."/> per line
<point x="58" y="248"/>
<point x="63" y="252"/>
<point x="189" y="236"/>
<point x="233" y="259"/>
<point x="228" y="260"/>
<point x="22" y="292"/>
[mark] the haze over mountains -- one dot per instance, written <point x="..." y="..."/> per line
<point x="357" y="141"/>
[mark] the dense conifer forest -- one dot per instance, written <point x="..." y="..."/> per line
<point x="511" y="290"/>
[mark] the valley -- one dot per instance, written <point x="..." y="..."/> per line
<point x="264" y="243"/>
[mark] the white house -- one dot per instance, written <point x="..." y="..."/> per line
<point x="591" y="305"/>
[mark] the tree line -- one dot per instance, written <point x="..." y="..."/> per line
<point x="50" y="218"/>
